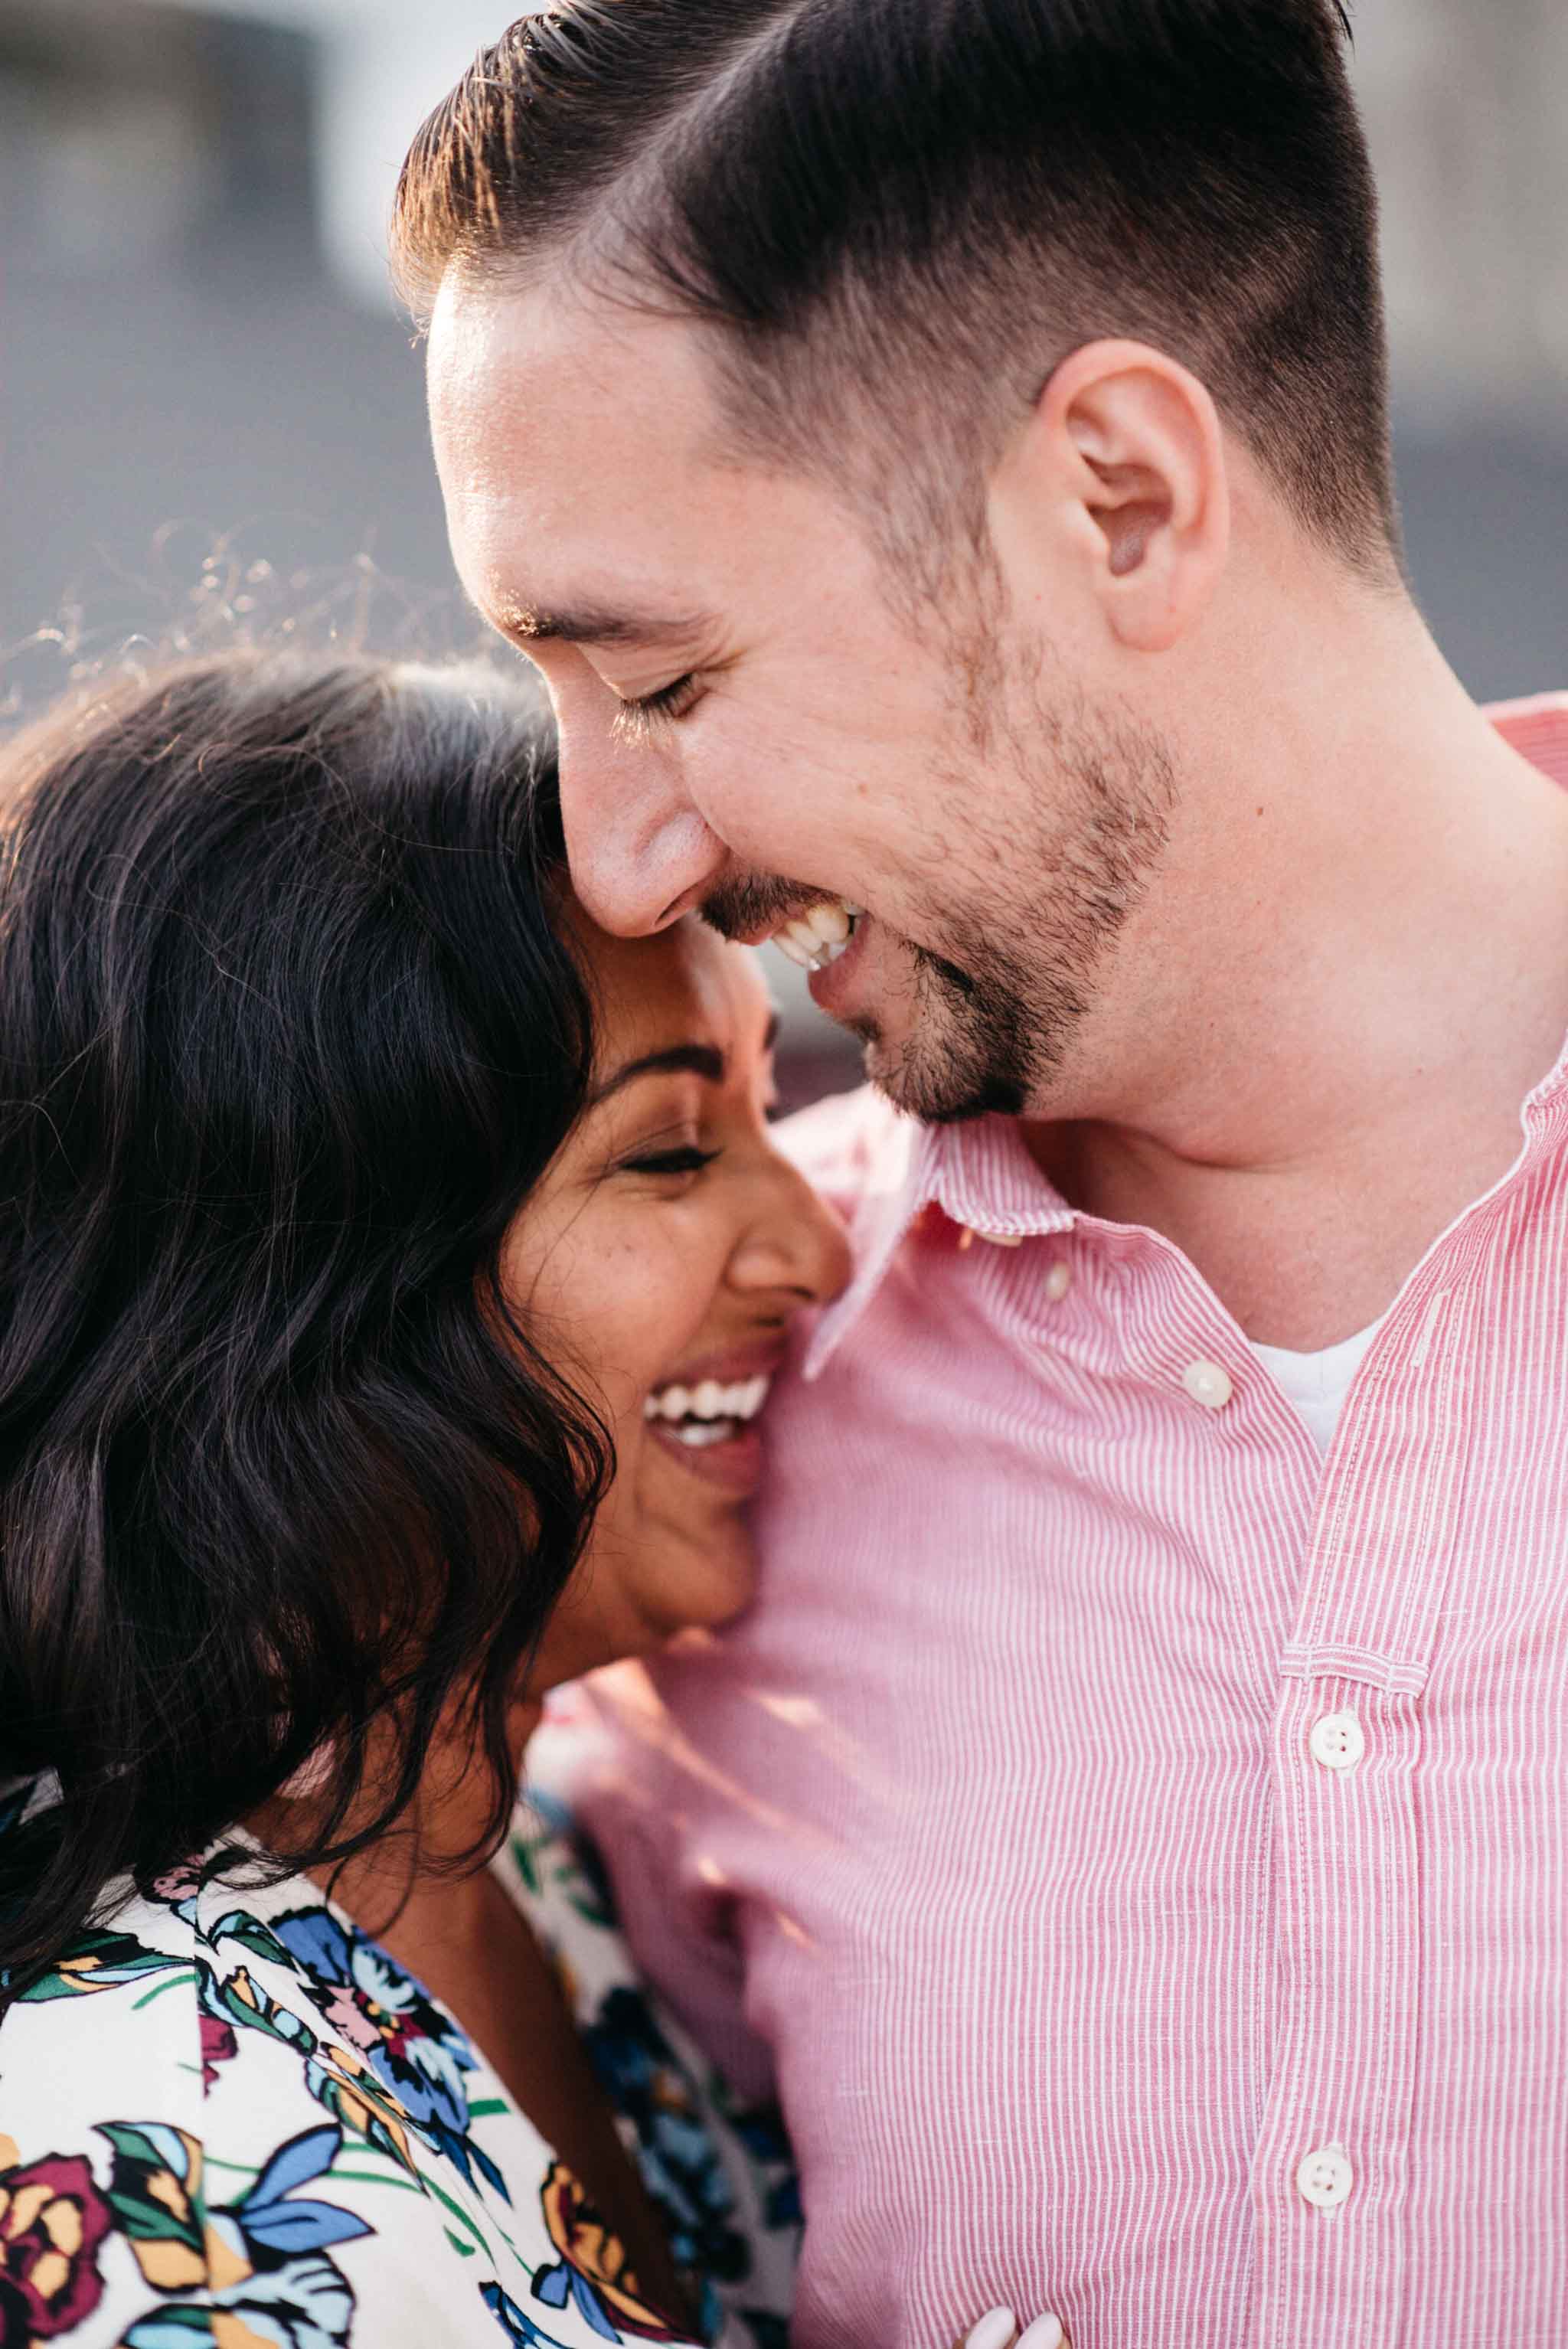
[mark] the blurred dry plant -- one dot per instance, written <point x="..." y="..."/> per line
<point x="199" y="596"/>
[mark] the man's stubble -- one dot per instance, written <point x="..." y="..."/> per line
<point x="1054" y="819"/>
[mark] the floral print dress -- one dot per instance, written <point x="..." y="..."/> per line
<point x="229" y="2117"/>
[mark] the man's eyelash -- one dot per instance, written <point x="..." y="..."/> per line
<point x="635" y="721"/>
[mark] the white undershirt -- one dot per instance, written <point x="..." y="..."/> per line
<point x="1318" y="1384"/>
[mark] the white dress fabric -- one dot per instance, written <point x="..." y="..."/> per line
<point x="230" y="2116"/>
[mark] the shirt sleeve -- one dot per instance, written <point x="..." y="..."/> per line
<point x="229" y="2116"/>
<point x="715" y="2160"/>
<point x="601" y="1756"/>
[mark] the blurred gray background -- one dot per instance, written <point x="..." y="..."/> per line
<point x="206" y="394"/>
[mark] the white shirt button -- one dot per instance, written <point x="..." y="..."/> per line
<point x="1207" y="1384"/>
<point x="1337" y="1740"/>
<point x="1058" y="1280"/>
<point x="1325" y="2178"/>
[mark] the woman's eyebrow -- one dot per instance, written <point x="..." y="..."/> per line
<point x="704" y="1060"/>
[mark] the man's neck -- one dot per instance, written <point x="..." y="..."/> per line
<point x="1362" y="971"/>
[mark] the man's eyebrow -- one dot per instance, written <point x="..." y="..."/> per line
<point x="704" y="1060"/>
<point x="595" y="623"/>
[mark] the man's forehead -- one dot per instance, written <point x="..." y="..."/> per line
<point x="593" y="492"/>
<point x="560" y="363"/>
<point x="569" y="475"/>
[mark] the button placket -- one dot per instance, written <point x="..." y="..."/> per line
<point x="1331" y="2141"/>
<point x="1352" y="1941"/>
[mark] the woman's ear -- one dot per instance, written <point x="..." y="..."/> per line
<point x="1122" y="463"/>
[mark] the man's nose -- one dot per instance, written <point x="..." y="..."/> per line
<point x="641" y="854"/>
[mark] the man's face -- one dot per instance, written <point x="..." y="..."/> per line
<point x="755" y="724"/>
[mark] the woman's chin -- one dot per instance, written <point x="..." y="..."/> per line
<point x="699" y="1578"/>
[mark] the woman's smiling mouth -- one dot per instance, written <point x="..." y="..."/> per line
<point x="706" y="1414"/>
<point x="706" y="1418"/>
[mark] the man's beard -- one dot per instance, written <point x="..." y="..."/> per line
<point x="995" y="1012"/>
<point x="999" y="1010"/>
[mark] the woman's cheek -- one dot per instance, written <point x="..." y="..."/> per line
<point x="660" y="1288"/>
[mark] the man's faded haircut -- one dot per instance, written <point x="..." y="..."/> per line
<point x="897" y="217"/>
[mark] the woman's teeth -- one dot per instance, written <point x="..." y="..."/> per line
<point x="708" y="1413"/>
<point x="820" y="936"/>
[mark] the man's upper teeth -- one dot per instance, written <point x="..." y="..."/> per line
<point x="821" y="934"/>
<point x="708" y="1401"/>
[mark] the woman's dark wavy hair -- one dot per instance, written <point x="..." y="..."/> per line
<point x="287" y="1034"/>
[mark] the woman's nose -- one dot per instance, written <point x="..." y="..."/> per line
<point x="795" y="1242"/>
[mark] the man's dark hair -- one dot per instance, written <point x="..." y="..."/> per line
<point x="289" y="1031"/>
<point x="903" y="214"/>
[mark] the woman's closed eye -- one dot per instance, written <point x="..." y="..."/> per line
<point x="637" y="719"/>
<point x="688" y="1159"/>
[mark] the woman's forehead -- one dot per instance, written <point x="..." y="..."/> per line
<point x="685" y="984"/>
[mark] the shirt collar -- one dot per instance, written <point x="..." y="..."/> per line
<point x="980" y="1176"/>
<point x="1538" y="729"/>
<point x="1545" y="1115"/>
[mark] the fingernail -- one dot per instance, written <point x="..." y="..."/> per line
<point x="995" y="2330"/>
<point x="1046" y="2333"/>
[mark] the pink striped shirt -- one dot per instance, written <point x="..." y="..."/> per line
<point x="1140" y="1842"/>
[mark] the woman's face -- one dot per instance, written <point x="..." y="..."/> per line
<point x="659" y="1265"/>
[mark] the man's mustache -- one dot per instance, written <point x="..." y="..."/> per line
<point x="741" y="909"/>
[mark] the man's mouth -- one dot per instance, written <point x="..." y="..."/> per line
<point x="819" y="936"/>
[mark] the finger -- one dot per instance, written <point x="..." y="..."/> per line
<point x="1046" y="2333"/>
<point x="997" y="2329"/>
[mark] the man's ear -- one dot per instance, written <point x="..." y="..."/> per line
<point x="1122" y="465"/>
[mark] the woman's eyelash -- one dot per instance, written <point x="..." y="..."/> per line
<point x="635" y="719"/>
<point x="689" y="1161"/>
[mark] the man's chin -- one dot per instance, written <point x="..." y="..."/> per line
<point x="949" y="1095"/>
<point x="941" y="1044"/>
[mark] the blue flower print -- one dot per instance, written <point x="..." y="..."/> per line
<point x="260" y="2259"/>
<point x="679" y="2163"/>
<point x="391" y="2020"/>
<point x="519" y="2329"/>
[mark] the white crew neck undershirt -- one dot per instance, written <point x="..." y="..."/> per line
<point x="1316" y="1385"/>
